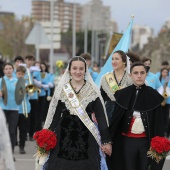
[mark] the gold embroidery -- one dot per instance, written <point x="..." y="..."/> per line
<point x="111" y="82"/>
<point x="126" y="81"/>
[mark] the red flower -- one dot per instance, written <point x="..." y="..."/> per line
<point x="159" y="149"/>
<point x="45" y="140"/>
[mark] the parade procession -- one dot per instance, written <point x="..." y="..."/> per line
<point x="79" y="93"/>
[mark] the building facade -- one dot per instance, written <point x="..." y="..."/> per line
<point x="96" y="16"/>
<point x="63" y="12"/>
<point x="92" y="15"/>
<point x="140" y="35"/>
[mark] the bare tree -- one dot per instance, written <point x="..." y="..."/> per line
<point x="13" y="35"/>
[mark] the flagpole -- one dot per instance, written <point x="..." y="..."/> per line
<point x="96" y="46"/>
<point x="85" y="35"/>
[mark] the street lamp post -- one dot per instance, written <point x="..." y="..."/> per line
<point x="92" y="41"/>
<point x="51" y="33"/>
<point x="38" y="42"/>
<point x="85" y="34"/>
<point x="74" y="32"/>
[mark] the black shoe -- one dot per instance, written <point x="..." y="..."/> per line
<point x="22" y="151"/>
<point x="31" y="139"/>
<point x="14" y="159"/>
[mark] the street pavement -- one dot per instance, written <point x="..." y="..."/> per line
<point x="27" y="161"/>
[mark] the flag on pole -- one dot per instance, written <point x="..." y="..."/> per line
<point x="123" y="45"/>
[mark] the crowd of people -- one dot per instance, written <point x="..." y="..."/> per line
<point x="27" y="117"/>
<point x="106" y="128"/>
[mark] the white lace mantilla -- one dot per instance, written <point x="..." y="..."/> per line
<point x="126" y="81"/>
<point x="88" y="93"/>
<point x="85" y="96"/>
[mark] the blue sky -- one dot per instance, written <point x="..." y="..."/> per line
<point x="147" y="12"/>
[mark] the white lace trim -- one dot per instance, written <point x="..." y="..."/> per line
<point x="126" y="81"/>
<point x="57" y="80"/>
<point x="85" y="96"/>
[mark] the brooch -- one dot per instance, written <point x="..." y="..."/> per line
<point x="71" y="95"/>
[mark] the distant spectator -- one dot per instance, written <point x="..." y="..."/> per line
<point x="166" y="103"/>
<point x="164" y="64"/>
<point x="151" y="79"/>
<point x="88" y="59"/>
<point x="18" y="60"/>
<point x="96" y="67"/>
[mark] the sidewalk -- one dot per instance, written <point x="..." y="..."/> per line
<point x="25" y="161"/>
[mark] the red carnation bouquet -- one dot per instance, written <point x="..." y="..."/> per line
<point x="45" y="140"/>
<point x="159" y="149"/>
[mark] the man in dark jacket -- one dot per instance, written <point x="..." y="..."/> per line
<point x="136" y="119"/>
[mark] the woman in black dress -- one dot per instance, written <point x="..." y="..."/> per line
<point x="81" y="144"/>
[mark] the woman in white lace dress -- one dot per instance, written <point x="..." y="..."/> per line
<point x="117" y="79"/>
<point x="70" y="116"/>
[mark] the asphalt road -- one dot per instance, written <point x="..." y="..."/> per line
<point x="27" y="161"/>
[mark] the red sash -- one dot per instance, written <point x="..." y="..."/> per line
<point x="132" y="135"/>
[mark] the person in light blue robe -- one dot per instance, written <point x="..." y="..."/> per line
<point x="24" y="116"/>
<point x="11" y="108"/>
<point x="35" y="79"/>
<point x="164" y="78"/>
<point x="151" y="79"/>
<point x="164" y="64"/>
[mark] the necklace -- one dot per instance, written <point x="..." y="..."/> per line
<point x="77" y="88"/>
<point x="119" y="83"/>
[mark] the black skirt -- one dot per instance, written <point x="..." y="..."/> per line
<point x="76" y="148"/>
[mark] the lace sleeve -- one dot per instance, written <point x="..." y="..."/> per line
<point x="102" y="124"/>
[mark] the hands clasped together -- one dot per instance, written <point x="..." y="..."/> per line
<point x="107" y="149"/>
